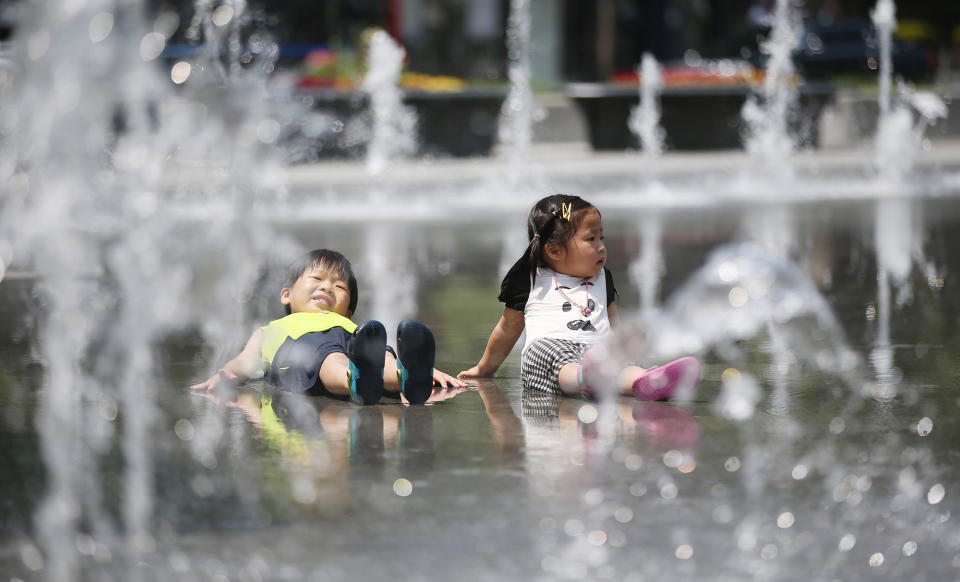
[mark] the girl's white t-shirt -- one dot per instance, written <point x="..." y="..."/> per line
<point x="556" y="313"/>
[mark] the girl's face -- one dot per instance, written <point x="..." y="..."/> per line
<point x="318" y="289"/>
<point x="584" y="254"/>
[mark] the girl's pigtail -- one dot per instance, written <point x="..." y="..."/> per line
<point x="534" y="253"/>
<point x="525" y="265"/>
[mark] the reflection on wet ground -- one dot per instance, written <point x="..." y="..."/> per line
<point x="816" y="481"/>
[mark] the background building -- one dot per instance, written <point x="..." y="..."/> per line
<point x="571" y="40"/>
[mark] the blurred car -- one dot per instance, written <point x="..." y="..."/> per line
<point x="851" y="48"/>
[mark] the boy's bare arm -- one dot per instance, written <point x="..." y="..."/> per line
<point x="241" y="368"/>
<point x="504" y="336"/>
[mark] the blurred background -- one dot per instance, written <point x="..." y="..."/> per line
<point x="459" y="49"/>
<point x="148" y="203"/>
<point x="595" y="41"/>
<point x="581" y="60"/>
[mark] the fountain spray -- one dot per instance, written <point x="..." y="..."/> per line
<point x="898" y="144"/>
<point x="393" y="131"/>
<point x="520" y="111"/>
<point x="88" y="179"/>
<point x="644" y="122"/>
<point x="768" y="137"/>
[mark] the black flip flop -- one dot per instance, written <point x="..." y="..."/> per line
<point x="415" y="355"/>
<point x="366" y="351"/>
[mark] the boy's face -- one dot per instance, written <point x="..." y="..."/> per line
<point x="316" y="290"/>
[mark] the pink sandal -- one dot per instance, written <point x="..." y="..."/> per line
<point x="665" y="381"/>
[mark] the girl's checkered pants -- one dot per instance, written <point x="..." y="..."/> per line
<point x="542" y="361"/>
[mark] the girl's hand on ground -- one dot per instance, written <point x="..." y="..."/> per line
<point x="473" y="372"/>
<point x="445" y="380"/>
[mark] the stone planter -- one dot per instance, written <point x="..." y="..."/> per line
<point x="694" y="118"/>
<point x="448" y="124"/>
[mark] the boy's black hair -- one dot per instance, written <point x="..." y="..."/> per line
<point x="323" y="259"/>
<point x="552" y="220"/>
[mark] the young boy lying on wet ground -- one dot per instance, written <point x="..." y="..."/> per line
<point x="316" y="348"/>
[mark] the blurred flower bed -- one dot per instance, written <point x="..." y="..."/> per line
<point x="715" y="73"/>
<point x="343" y="71"/>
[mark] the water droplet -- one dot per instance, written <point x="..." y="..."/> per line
<point x="184" y="429"/>
<point x="202" y="486"/>
<point x="593" y="497"/>
<point x="633" y="462"/>
<point x="588" y="413"/>
<point x="738" y="297"/>
<point x="402" y="487"/>
<point x="730" y="375"/>
<point x="728" y="272"/>
<point x="152" y="45"/>
<point x="672" y="458"/>
<point x="936" y="494"/>
<point x="167" y="23"/>
<point x="180" y="72"/>
<point x="668" y="491"/>
<point x="837" y="425"/>
<point x="623" y="514"/>
<point x="876" y="560"/>
<point x="268" y="130"/>
<point x="722" y="514"/>
<point x="179" y="562"/>
<point x="799" y="472"/>
<point x="108" y="409"/>
<point x="924" y="426"/>
<point x="732" y="464"/>
<point x="31" y="557"/>
<point x="223" y="14"/>
<point x="597" y="537"/>
<point x="684" y="552"/>
<point x="302" y="489"/>
<point x="769" y="552"/>
<point x="738" y="399"/>
<point x="910" y="548"/>
<point x="785" y="520"/>
<point x="573" y="527"/>
<point x="101" y="25"/>
<point x="847" y="542"/>
<point x="86" y="545"/>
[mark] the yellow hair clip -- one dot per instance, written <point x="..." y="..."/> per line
<point x="565" y="210"/>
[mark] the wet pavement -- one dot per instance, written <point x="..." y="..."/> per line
<point x="812" y="476"/>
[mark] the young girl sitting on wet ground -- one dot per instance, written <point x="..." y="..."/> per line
<point x="561" y="294"/>
<point x="317" y="348"/>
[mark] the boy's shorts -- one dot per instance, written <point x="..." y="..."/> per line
<point x="541" y="363"/>
<point x="296" y="366"/>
